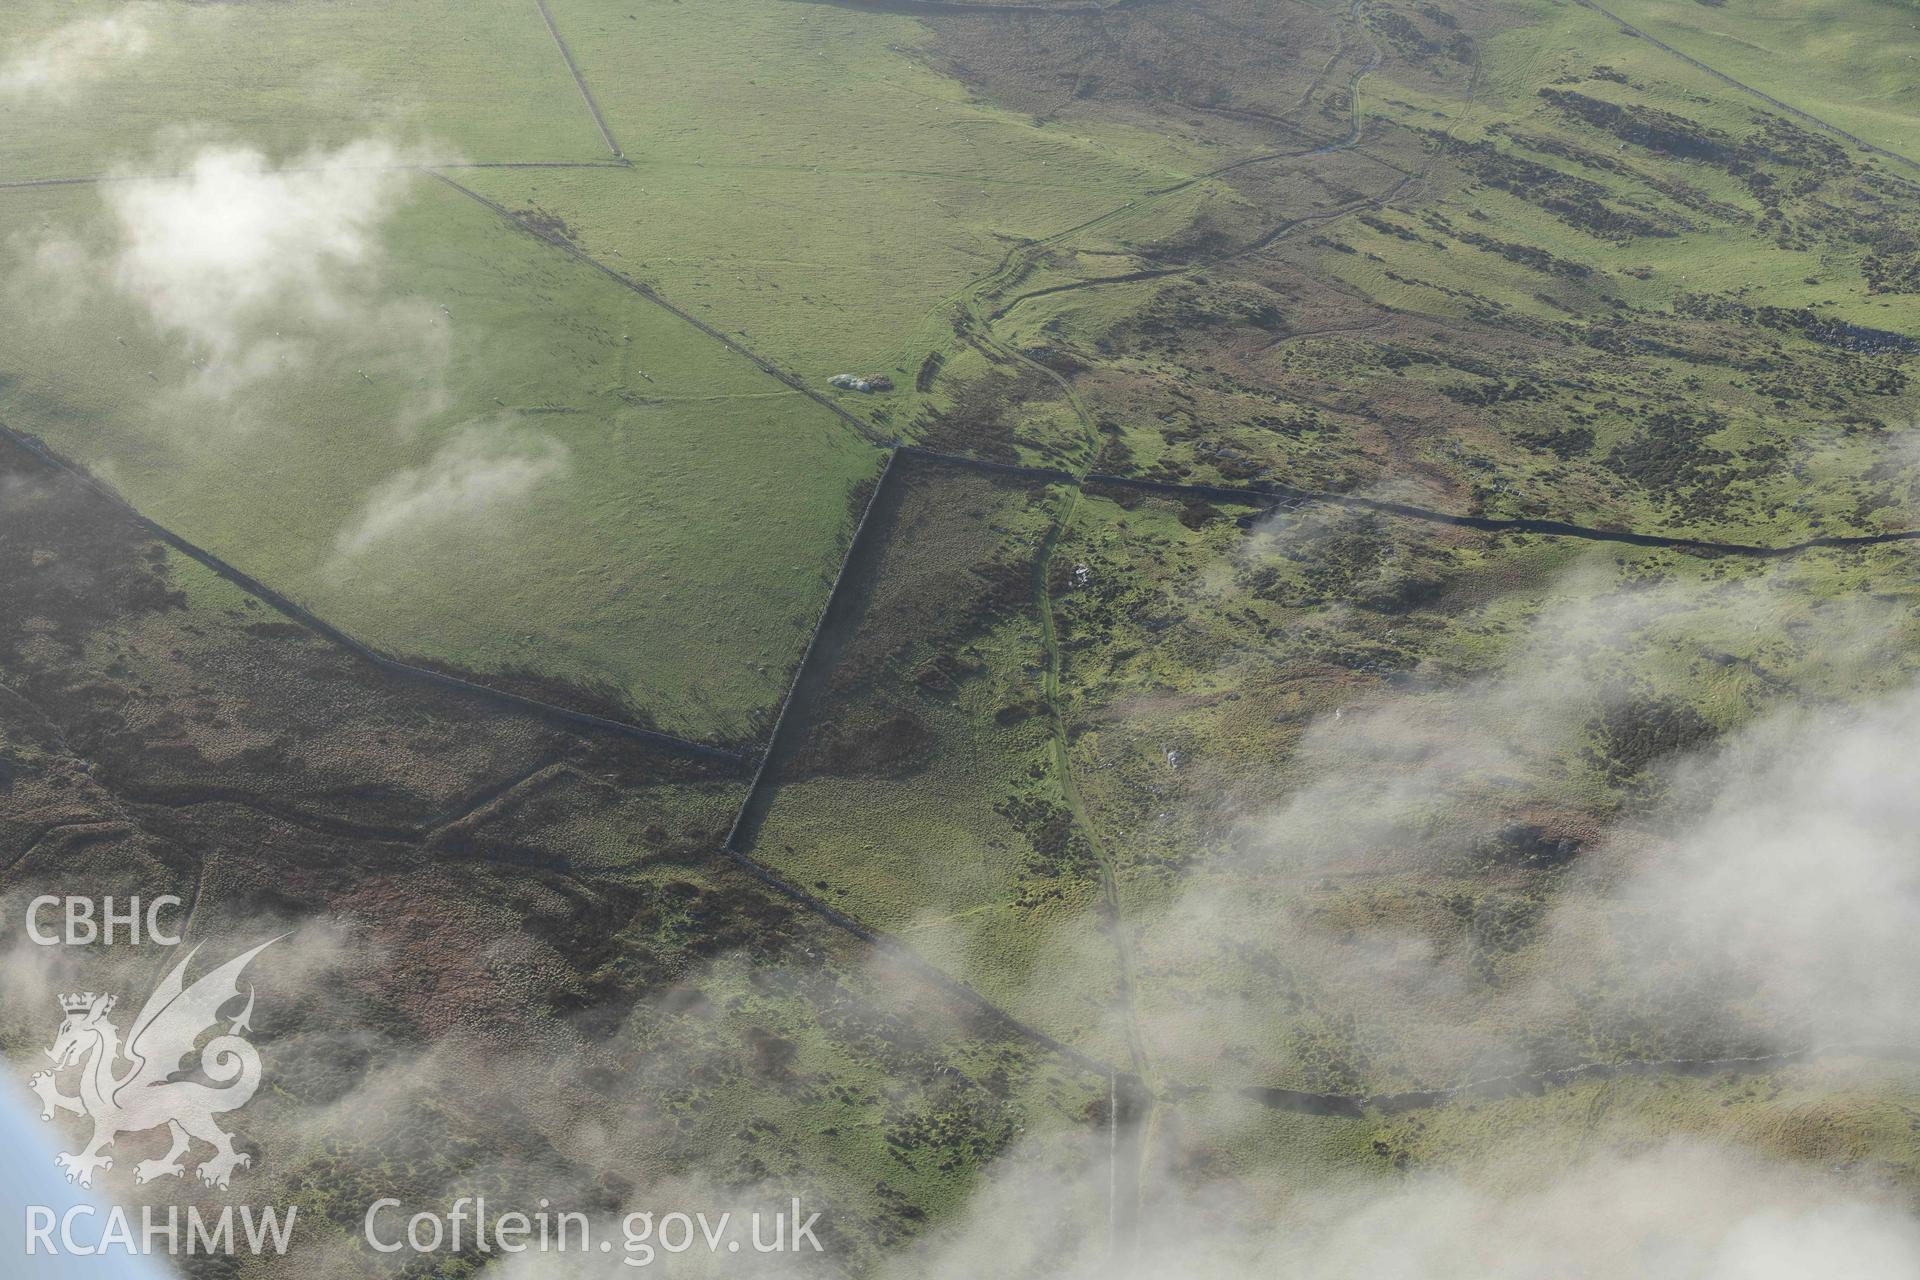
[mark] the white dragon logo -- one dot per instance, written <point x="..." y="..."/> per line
<point x="146" y="1095"/>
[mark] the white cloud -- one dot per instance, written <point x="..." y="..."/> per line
<point x="1677" y="1211"/>
<point x="475" y="474"/>
<point x="254" y="275"/>
<point x="1782" y="883"/>
<point x="1757" y="895"/>
<point x="83" y="50"/>
<point x="1680" y="1212"/>
<point x="254" y="266"/>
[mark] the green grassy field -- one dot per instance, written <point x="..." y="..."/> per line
<point x="474" y="82"/>
<point x="1788" y="50"/>
<point x="806" y="178"/>
<point x="664" y="518"/>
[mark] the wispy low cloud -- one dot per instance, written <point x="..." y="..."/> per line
<point x="253" y="271"/>
<point x="1396" y="777"/>
<point x="1681" y="1210"/>
<point x="1743" y="893"/>
<point x="475" y="476"/>
<point x="242" y="259"/>
<point x="1783" y="883"/>
<point x="83" y="50"/>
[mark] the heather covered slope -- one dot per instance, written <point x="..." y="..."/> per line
<point x="1358" y="668"/>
